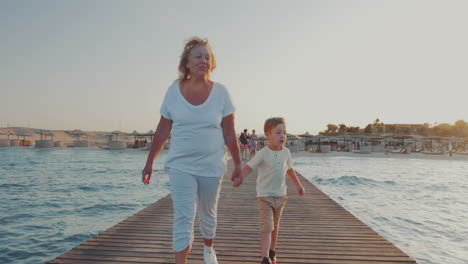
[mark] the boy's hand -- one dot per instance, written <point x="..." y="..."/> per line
<point x="236" y="182"/>
<point x="300" y="189"/>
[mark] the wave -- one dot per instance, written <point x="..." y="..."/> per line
<point x="89" y="188"/>
<point x="351" y="181"/>
<point x="107" y="207"/>
<point x="13" y="185"/>
<point x="78" y="238"/>
<point x="14" y="218"/>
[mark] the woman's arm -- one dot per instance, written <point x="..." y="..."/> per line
<point x="160" y="136"/>
<point x="230" y="140"/>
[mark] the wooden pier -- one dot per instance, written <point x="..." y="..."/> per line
<point x="314" y="229"/>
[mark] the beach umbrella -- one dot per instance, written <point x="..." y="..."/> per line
<point x="375" y="139"/>
<point x="333" y="140"/>
<point x="389" y="140"/>
<point x="360" y="138"/>
<point x="115" y="133"/>
<point x="319" y="138"/>
<point x="135" y="134"/>
<point x="262" y="140"/>
<point x="149" y="134"/>
<point x="456" y="141"/>
<point x="44" y="133"/>
<point x="77" y="133"/>
<point x="306" y="136"/>
<point x="23" y="134"/>
<point x="345" y="138"/>
<point x="291" y="138"/>
<point x="402" y="138"/>
<point x="6" y="134"/>
<point x="434" y="138"/>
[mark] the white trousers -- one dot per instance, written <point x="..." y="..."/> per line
<point x="190" y="193"/>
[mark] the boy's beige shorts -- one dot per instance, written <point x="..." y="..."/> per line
<point x="270" y="210"/>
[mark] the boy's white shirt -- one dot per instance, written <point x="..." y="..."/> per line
<point x="272" y="168"/>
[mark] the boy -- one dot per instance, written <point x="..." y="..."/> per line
<point x="274" y="163"/>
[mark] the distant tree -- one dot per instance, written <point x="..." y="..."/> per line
<point x="377" y="126"/>
<point x="352" y="129"/>
<point x="368" y="128"/>
<point x="425" y="130"/>
<point x="342" y="128"/>
<point x="443" y="130"/>
<point x="376" y="122"/>
<point x="459" y="128"/>
<point x="332" y="128"/>
<point x="391" y="129"/>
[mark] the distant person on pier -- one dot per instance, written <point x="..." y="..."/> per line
<point x="200" y="114"/>
<point x="274" y="164"/>
<point x="253" y="141"/>
<point x="244" y="142"/>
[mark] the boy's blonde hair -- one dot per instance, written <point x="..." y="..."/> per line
<point x="271" y="123"/>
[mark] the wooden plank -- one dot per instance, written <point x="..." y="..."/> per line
<point x="314" y="229"/>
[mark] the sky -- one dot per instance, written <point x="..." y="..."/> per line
<point x="106" y="65"/>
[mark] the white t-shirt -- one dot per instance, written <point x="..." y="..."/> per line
<point x="197" y="141"/>
<point x="272" y="167"/>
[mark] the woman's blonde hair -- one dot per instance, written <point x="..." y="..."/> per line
<point x="184" y="72"/>
<point x="271" y="123"/>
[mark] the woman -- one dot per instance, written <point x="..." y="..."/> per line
<point x="200" y="114"/>
<point x="253" y="144"/>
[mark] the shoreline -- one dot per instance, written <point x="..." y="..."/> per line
<point x="414" y="155"/>
<point x="305" y="154"/>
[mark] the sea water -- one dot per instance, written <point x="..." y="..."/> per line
<point x="55" y="199"/>
<point x="419" y="204"/>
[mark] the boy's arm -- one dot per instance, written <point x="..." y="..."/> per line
<point x="246" y="171"/>
<point x="252" y="164"/>
<point x="293" y="178"/>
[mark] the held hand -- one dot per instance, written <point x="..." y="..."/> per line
<point x="236" y="177"/>
<point x="146" y="174"/>
<point x="300" y="189"/>
<point x="236" y="182"/>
